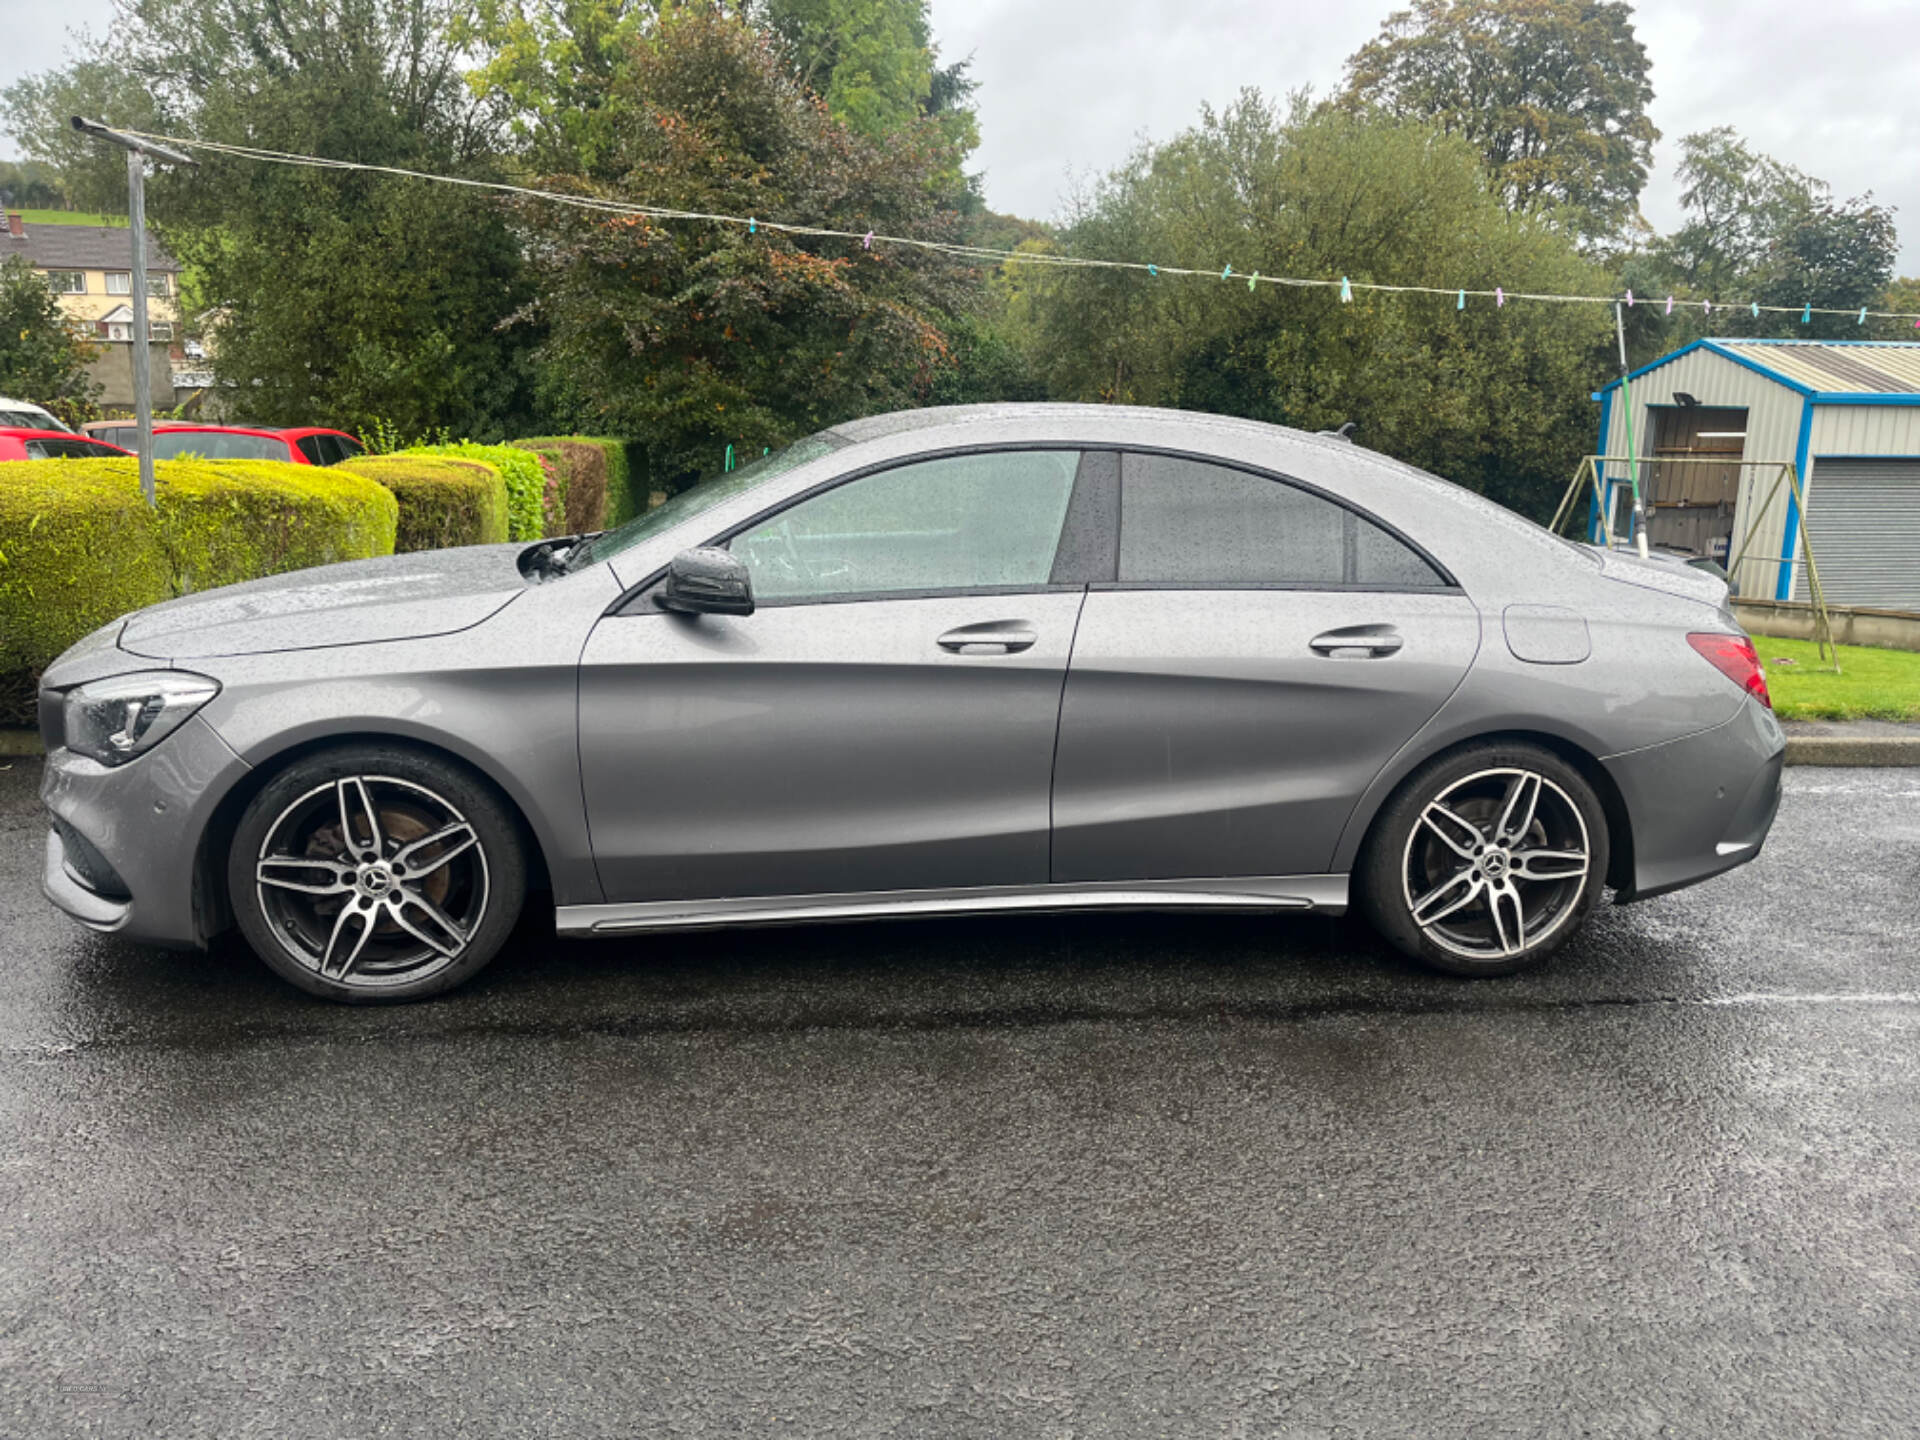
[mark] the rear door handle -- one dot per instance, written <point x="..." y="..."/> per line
<point x="991" y="637"/>
<point x="1357" y="642"/>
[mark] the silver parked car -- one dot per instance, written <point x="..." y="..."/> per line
<point x="934" y="663"/>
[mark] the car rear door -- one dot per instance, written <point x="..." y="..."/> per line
<point x="1259" y="655"/>
<point x="884" y="720"/>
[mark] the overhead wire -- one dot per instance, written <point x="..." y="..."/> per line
<point x="988" y="254"/>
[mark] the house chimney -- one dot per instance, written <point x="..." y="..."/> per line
<point x="16" y="227"/>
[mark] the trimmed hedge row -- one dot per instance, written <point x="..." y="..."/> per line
<point x="79" y="546"/>
<point x="623" y="500"/>
<point x="534" y="500"/>
<point x="444" y="502"/>
<point x="581" y="468"/>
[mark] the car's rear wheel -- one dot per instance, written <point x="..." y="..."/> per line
<point x="1486" y="860"/>
<point x="376" y="873"/>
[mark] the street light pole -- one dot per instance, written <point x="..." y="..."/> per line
<point x="137" y="219"/>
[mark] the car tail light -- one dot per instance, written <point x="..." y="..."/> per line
<point x="1734" y="657"/>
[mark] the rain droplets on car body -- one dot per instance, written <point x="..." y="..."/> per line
<point x="939" y="662"/>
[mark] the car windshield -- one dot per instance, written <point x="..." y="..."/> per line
<point x="28" y="417"/>
<point x="703" y="497"/>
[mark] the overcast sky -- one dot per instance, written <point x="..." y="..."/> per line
<point x="1068" y="86"/>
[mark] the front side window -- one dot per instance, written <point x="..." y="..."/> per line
<point x="966" y="522"/>
<point x="67" y="282"/>
<point x="1194" y="523"/>
<point x="309" y="446"/>
<point x="119" y="282"/>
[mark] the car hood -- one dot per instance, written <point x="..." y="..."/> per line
<point x="399" y="597"/>
<point x="1665" y="573"/>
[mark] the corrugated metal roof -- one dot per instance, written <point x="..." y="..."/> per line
<point x="81" y="247"/>
<point x="1858" y="367"/>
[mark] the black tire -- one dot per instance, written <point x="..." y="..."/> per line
<point x="1414" y="857"/>
<point x="302" y="873"/>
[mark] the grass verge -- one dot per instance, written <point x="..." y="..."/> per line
<point x="1872" y="684"/>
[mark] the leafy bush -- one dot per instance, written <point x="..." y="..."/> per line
<point x="624" y="500"/>
<point x="582" y="468"/>
<point x="443" y="502"/>
<point x="79" y="547"/>
<point x="530" y="506"/>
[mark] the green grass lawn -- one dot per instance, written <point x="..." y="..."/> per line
<point x="1871" y="685"/>
<point x="69" y="217"/>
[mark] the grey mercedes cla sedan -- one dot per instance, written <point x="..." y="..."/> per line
<point x="934" y="663"/>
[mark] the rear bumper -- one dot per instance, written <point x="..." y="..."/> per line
<point x="1700" y="806"/>
<point x="142" y="822"/>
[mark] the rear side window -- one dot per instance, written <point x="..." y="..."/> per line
<point x="218" y="445"/>
<point x="65" y="450"/>
<point x="1189" y="522"/>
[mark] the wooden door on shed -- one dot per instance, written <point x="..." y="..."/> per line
<point x="1690" y="506"/>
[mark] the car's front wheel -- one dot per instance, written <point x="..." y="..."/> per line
<point x="376" y="873"/>
<point x="1486" y="860"/>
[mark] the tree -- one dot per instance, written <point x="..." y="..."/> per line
<point x="1552" y="93"/>
<point x="699" y="335"/>
<point x="331" y="297"/>
<point x="36" y="110"/>
<point x="42" y="360"/>
<point x="1760" y="230"/>
<point x="1493" y="398"/>
<point x="875" y="64"/>
<point x="30" y="185"/>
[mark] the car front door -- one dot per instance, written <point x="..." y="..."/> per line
<point x="883" y="720"/>
<point x="1259" y="656"/>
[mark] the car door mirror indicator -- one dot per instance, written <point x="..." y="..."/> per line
<point x="707" y="581"/>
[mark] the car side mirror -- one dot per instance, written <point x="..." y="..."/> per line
<point x="707" y="581"/>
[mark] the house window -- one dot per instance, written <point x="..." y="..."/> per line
<point x="67" y="282"/>
<point x="119" y="282"/>
<point x="160" y="330"/>
<point x="159" y="283"/>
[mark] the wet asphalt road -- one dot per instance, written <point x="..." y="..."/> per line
<point x="1033" y="1177"/>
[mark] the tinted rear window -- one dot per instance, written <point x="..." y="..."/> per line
<point x="1189" y="522"/>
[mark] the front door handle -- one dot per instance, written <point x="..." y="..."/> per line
<point x="1357" y="642"/>
<point x="991" y="637"/>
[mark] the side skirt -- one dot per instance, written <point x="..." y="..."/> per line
<point x="1323" y="894"/>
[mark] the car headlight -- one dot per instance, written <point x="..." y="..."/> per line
<point x="114" y="720"/>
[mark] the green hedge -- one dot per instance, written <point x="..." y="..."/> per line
<point x="534" y="500"/>
<point x="626" y="483"/>
<point x="582" y="468"/>
<point x="79" y="546"/>
<point x="444" y="502"/>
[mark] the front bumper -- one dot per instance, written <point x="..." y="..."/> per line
<point x="1702" y="805"/>
<point x="145" y="820"/>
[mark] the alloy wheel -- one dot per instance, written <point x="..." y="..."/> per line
<point x="1496" y="863"/>
<point x="373" y="881"/>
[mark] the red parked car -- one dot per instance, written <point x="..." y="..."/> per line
<point x="299" y="444"/>
<point x="18" y="443"/>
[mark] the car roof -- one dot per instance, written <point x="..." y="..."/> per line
<point x="174" y="427"/>
<point x="23" y="432"/>
<point x="278" y="432"/>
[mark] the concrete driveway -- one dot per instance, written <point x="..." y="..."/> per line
<point x="1037" y="1177"/>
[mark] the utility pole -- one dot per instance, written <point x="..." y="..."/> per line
<point x="137" y="220"/>
<point x="1633" y="462"/>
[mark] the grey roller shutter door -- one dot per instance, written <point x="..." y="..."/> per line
<point x="1863" y="518"/>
